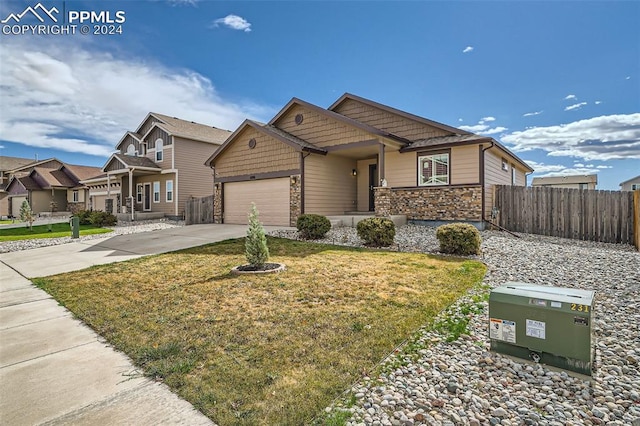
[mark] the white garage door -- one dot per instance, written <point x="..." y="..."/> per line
<point x="16" y="203"/>
<point x="270" y="195"/>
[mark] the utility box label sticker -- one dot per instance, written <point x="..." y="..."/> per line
<point x="536" y="329"/>
<point x="504" y="330"/>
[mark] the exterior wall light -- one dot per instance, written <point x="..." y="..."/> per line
<point x="354" y="172"/>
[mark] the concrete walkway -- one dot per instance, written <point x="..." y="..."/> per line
<point x="54" y="369"/>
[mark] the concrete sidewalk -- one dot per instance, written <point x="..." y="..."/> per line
<point x="54" y="369"/>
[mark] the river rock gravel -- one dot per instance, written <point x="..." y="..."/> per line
<point x="435" y="382"/>
<point x="121" y="228"/>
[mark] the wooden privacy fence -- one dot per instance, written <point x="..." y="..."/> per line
<point x="582" y="214"/>
<point x="199" y="210"/>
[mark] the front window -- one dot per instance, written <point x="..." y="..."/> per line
<point x="76" y="196"/>
<point x="169" y="191"/>
<point x="139" y="189"/>
<point x="433" y="169"/>
<point x="159" y="150"/>
<point x="156" y="192"/>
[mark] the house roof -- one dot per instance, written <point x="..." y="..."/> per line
<point x="191" y="129"/>
<point x="401" y="113"/>
<point x="37" y="163"/>
<point x="550" y="180"/>
<point x="129" y="161"/>
<point x="83" y="172"/>
<point x="11" y="163"/>
<point x="445" y="140"/>
<point x="338" y="117"/>
<point x="28" y="183"/>
<point x="629" y="180"/>
<point x="269" y="130"/>
<point x="53" y="177"/>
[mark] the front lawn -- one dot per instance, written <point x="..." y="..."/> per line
<point x="42" y="231"/>
<point x="263" y="349"/>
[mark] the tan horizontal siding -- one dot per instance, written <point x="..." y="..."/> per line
<point x="464" y="165"/>
<point x="163" y="206"/>
<point x="388" y="121"/>
<point x="401" y="169"/>
<point x="329" y="186"/>
<point x="493" y="173"/>
<point x="319" y="129"/>
<point x="269" y="155"/>
<point x="195" y="179"/>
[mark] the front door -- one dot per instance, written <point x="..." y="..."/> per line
<point x="147" y="197"/>
<point x="373" y="182"/>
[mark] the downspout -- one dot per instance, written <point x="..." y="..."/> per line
<point x="526" y="175"/>
<point x="133" y="209"/>
<point x="482" y="183"/>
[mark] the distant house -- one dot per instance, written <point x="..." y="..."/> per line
<point x="157" y="168"/>
<point x="571" y="181"/>
<point x="46" y="185"/>
<point x="7" y="164"/>
<point x="632" y="184"/>
<point x="358" y="157"/>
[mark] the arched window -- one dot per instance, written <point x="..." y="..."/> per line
<point x="159" y="144"/>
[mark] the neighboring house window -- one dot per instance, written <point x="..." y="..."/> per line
<point x="635" y="186"/>
<point x="169" y="191"/>
<point x="156" y="192"/>
<point x="139" y="190"/>
<point x="433" y="169"/>
<point x="505" y="165"/>
<point x="583" y="186"/>
<point x="159" y="150"/>
<point x="76" y="196"/>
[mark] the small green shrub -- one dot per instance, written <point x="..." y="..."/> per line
<point x="459" y="238"/>
<point x="255" y="244"/>
<point x="84" y="216"/>
<point x="101" y="219"/>
<point x="377" y="231"/>
<point x="312" y="226"/>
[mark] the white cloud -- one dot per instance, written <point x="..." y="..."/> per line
<point x="483" y="128"/>
<point x="607" y="137"/>
<point x="460" y="119"/>
<point x="604" y="167"/>
<point x="597" y="102"/>
<point x="575" y="106"/>
<point x="529" y="114"/>
<point x="234" y="22"/>
<point x="628" y="77"/>
<point x="468" y="49"/>
<point x="69" y="98"/>
<point x="546" y="170"/>
<point x="570" y="97"/>
<point x="183" y="2"/>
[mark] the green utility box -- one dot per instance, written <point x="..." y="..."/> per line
<point x="550" y="325"/>
<point x="75" y="226"/>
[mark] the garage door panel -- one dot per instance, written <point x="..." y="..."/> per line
<point x="271" y="197"/>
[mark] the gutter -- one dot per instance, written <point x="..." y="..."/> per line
<point x="482" y="183"/>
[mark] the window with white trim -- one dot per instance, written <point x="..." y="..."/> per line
<point x="433" y="169"/>
<point x="156" y="192"/>
<point x="635" y="186"/>
<point x="505" y="165"/>
<point x="169" y="191"/>
<point x="513" y="175"/>
<point x="159" y="143"/>
<point x="76" y="196"/>
<point x="139" y="192"/>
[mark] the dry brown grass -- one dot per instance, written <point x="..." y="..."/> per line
<point x="268" y="349"/>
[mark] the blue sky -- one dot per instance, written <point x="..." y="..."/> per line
<point x="557" y="82"/>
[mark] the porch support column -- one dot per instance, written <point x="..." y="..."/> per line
<point x="380" y="164"/>
<point x="133" y="214"/>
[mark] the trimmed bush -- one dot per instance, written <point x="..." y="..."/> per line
<point x="459" y="238"/>
<point x="102" y="219"/>
<point x="377" y="231"/>
<point x="84" y="216"/>
<point x="312" y="226"/>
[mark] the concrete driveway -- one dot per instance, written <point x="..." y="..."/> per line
<point x="54" y="369"/>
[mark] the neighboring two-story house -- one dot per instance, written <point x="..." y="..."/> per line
<point x="157" y="168"/>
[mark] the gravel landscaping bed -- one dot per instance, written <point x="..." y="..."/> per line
<point x="121" y="228"/>
<point x="434" y="382"/>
